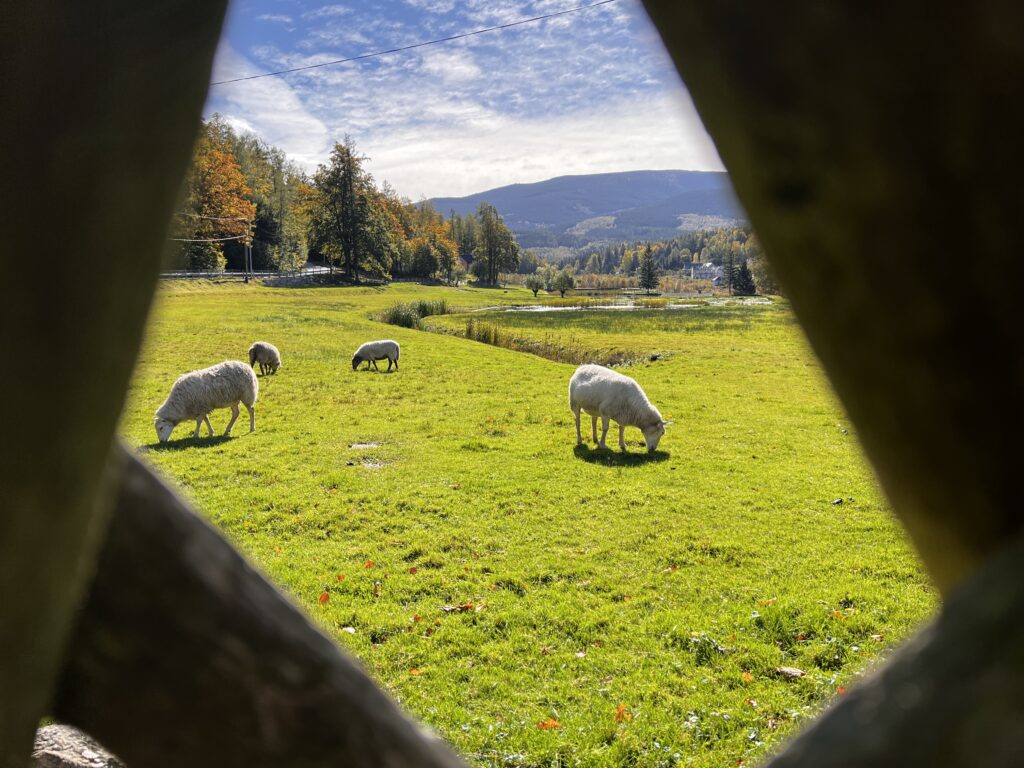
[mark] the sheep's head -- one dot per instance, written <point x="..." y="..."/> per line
<point x="164" y="428"/>
<point x="653" y="434"/>
<point x="356" y="360"/>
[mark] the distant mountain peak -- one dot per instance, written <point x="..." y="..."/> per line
<point x="574" y="210"/>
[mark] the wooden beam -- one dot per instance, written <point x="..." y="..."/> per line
<point x="185" y="655"/>
<point x="876" y="148"/>
<point x="100" y="105"/>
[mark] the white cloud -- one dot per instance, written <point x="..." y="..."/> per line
<point x="277" y="17"/>
<point x="645" y="134"/>
<point x="433" y="6"/>
<point x="596" y="95"/>
<point x="325" y="11"/>
<point x="452" y="66"/>
<point x="268" y="107"/>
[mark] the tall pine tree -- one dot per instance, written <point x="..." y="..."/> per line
<point x="647" y="272"/>
<point x="744" y="282"/>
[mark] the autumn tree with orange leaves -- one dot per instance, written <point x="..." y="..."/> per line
<point x="217" y="202"/>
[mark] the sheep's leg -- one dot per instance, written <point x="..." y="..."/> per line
<point x="579" y="437"/>
<point x="209" y="426"/>
<point x="396" y="364"/>
<point x="389" y="364"/>
<point x="234" y="418"/>
<point x="604" y="431"/>
<point x="622" y="442"/>
<point x="593" y="426"/>
<point x="199" y="423"/>
<point x="374" y="361"/>
<point x="252" y="417"/>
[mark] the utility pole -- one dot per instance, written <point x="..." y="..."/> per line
<point x="248" y="250"/>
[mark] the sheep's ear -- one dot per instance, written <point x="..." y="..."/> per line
<point x="665" y="423"/>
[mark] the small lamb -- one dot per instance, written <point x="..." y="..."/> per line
<point x="266" y="354"/>
<point x="372" y="351"/>
<point x="197" y="393"/>
<point x="606" y="393"/>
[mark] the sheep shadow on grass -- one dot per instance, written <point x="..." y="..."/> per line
<point x="186" y="442"/>
<point x="616" y="458"/>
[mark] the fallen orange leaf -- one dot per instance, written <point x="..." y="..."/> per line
<point x="413" y="570"/>
<point x="368" y="564"/>
<point x="416" y="619"/>
<point x="415" y="672"/>
<point x="621" y="714"/>
<point x="841" y="690"/>
<point x="549" y="724"/>
<point x="457" y="608"/>
<point x="627" y="598"/>
<point x="340" y="577"/>
<point x="324" y="597"/>
<point x="747" y="677"/>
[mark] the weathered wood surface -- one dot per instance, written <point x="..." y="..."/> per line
<point x="876" y="147"/>
<point x="872" y="144"/>
<point x="61" y="746"/>
<point x="185" y="655"/>
<point x="951" y="698"/>
<point x="100" y="105"/>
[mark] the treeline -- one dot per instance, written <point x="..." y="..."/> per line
<point x="644" y="263"/>
<point x="242" y="192"/>
<point x="238" y="190"/>
<point x="710" y="246"/>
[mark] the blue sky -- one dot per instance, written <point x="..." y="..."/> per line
<point x="587" y="92"/>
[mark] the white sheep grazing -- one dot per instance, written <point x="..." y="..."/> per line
<point x="372" y="351"/>
<point x="606" y="393"/>
<point x="195" y="394"/>
<point x="266" y="354"/>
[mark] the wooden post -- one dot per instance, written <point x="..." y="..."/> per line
<point x="101" y="103"/>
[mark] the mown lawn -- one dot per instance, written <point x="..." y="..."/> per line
<point x="613" y="610"/>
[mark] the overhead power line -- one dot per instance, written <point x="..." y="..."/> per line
<point x="416" y="45"/>
<point x="211" y="218"/>
<point x="205" y="239"/>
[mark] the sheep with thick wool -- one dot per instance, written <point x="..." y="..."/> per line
<point x="372" y="351"/>
<point x="266" y="354"/>
<point x="607" y="394"/>
<point x="197" y="393"/>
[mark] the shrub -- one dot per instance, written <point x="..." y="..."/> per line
<point x="409" y="314"/>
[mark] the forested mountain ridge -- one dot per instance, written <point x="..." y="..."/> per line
<point x="608" y="207"/>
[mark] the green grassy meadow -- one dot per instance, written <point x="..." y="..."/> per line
<point x="610" y="610"/>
